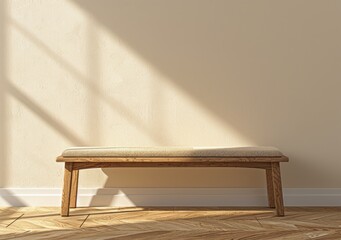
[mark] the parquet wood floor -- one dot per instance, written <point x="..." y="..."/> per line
<point x="170" y="223"/>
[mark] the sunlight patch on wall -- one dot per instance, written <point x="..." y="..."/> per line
<point x="59" y="25"/>
<point x="169" y="114"/>
<point x="73" y="82"/>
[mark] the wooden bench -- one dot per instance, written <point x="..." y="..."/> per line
<point x="267" y="158"/>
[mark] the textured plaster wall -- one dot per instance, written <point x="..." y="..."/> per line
<point x="146" y="73"/>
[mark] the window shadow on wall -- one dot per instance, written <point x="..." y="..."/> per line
<point x="90" y="81"/>
<point x="244" y="62"/>
<point x="231" y="68"/>
<point x="230" y="63"/>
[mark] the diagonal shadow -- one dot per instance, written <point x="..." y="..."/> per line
<point x="162" y="34"/>
<point x="229" y="56"/>
<point x="248" y="64"/>
<point x="50" y="120"/>
<point x="193" y="48"/>
<point x="11" y="199"/>
<point x="91" y="85"/>
<point x="79" y="76"/>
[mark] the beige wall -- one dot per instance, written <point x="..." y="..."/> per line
<point x="145" y="73"/>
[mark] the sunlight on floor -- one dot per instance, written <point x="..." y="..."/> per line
<point x="170" y="223"/>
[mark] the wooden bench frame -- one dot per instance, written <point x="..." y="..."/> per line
<point x="271" y="165"/>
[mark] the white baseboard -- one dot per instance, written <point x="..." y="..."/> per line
<point x="123" y="197"/>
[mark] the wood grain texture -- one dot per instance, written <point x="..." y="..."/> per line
<point x="74" y="188"/>
<point x="74" y="164"/>
<point x="8" y="216"/>
<point x="67" y="189"/>
<point x="270" y="188"/>
<point x="172" y="159"/>
<point x="277" y="186"/>
<point x="173" y="223"/>
<point x="85" y="165"/>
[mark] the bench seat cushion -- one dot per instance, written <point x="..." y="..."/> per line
<point x="172" y="152"/>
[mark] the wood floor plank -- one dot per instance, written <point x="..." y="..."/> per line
<point x="109" y="233"/>
<point x="223" y="213"/>
<point x="171" y="223"/>
<point x="46" y="218"/>
<point x="10" y="219"/>
<point x="304" y="220"/>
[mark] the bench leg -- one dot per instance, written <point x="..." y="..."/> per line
<point x="270" y="188"/>
<point x="277" y="186"/>
<point x="66" y="189"/>
<point x="74" y="189"/>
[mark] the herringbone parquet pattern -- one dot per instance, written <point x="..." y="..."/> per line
<point x="170" y="223"/>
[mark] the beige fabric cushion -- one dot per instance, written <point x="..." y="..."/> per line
<point x="172" y="152"/>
